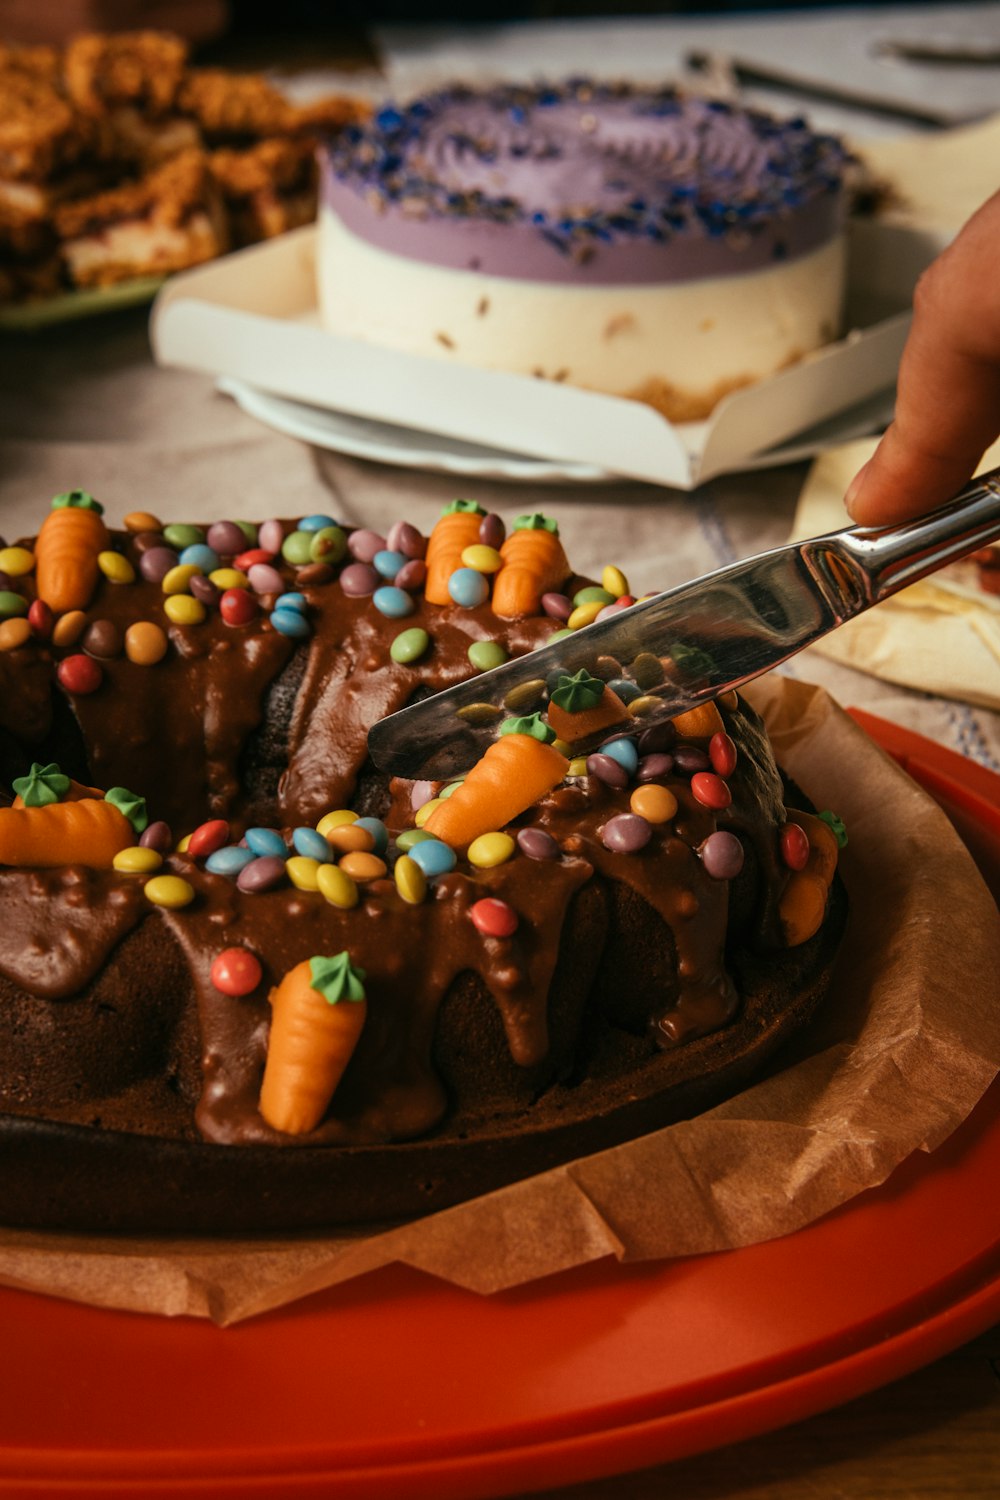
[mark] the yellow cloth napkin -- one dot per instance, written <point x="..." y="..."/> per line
<point x="939" y="636"/>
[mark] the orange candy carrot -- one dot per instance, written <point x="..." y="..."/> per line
<point x="583" y="705"/>
<point x="456" y="528"/>
<point x="88" y="832"/>
<point x="45" y="784"/>
<point x="534" y="564"/>
<point x="515" y="771"/>
<point x="66" y="551"/>
<point x="317" y="1013"/>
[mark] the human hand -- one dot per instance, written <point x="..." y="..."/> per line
<point x="948" y="394"/>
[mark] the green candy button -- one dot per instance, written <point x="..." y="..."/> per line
<point x="484" y="655"/>
<point x="409" y="645"/>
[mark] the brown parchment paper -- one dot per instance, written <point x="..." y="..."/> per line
<point x="906" y="1046"/>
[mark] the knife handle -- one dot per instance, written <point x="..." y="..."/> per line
<point x="891" y="557"/>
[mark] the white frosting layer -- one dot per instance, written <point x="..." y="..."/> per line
<point x="698" y="339"/>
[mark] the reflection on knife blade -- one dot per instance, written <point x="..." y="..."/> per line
<point x="669" y="653"/>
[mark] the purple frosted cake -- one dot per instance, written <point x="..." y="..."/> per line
<point x="640" y="242"/>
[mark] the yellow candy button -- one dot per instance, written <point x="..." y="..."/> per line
<point x="137" y="860"/>
<point x="169" y="891"/>
<point x="490" y="849"/>
<point x="584" y="614"/>
<point x="423" y="813"/>
<point x="184" y="609"/>
<point x="411" y="882"/>
<point x="614" y="581"/>
<point x="302" y="872"/>
<point x="335" y="819"/>
<point x="177" y="580"/>
<point x="16" y="561"/>
<point x="229" y="578"/>
<point x="482" y="558"/>
<point x="116" y="569"/>
<point x="577" y="766"/>
<point x="336" y="886"/>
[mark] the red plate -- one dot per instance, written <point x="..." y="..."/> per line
<point x="399" y="1385"/>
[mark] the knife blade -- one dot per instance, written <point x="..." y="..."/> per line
<point x="682" y="647"/>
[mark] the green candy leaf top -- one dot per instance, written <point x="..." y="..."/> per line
<point x="77" y="500"/>
<point x="837" y="824"/>
<point x="42" y="785"/>
<point x="463" y="508"/>
<point x="578" y="693"/>
<point x="530" y="724"/>
<point x="336" y="978"/>
<point x="130" y="806"/>
<point x="535" y="521"/>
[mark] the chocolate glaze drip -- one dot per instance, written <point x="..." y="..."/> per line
<point x="183" y="734"/>
<point x="60" y="926"/>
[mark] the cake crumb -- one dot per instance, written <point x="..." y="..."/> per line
<point x="483" y="307"/>
<point x="621" y="323"/>
<point x="443" y="338"/>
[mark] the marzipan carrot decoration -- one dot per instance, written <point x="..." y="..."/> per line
<point x="67" y="547"/>
<point x="516" y="770"/>
<point x="582" y="705"/>
<point x="803" y="901"/>
<point x="534" y="564"/>
<point x="317" y="1013"/>
<point x="88" y="832"/>
<point x="456" y="528"/>
<point x="44" y="784"/>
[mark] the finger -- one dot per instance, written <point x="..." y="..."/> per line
<point x="948" y="394"/>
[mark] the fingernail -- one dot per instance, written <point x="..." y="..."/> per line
<point x="855" y="487"/>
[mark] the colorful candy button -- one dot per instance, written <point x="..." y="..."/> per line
<point x="411" y="882"/>
<point x="335" y="819"/>
<point x="145" y="643"/>
<point x="485" y="655"/>
<point x="657" y="804"/>
<point x="184" y="609"/>
<point x="363" y="866"/>
<point x="626" y="833"/>
<point x="169" y="891"/>
<point x="310" y="843"/>
<point x="14" y="632"/>
<point x="236" y="972"/>
<point x="468" y="588"/>
<point x="266" y="842"/>
<point x="336" y="886"/>
<point x="409" y="645"/>
<point x="490" y="849"/>
<point x="16" y="561"/>
<point x="137" y="860"/>
<point x="710" y="790"/>
<point x="493" y="917"/>
<point x="434" y="857"/>
<point x="722" y="855"/>
<point x="79" y="674"/>
<point x="302" y="872"/>
<point x="392" y="602"/>
<point x="482" y="559"/>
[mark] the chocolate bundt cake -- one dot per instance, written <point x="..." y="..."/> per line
<point x="248" y="981"/>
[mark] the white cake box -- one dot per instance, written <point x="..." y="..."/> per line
<point x="251" y="317"/>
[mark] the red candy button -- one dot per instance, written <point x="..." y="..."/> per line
<point x="722" y="753"/>
<point x="208" y="837"/>
<point x="710" y="790"/>
<point x="79" y="674"/>
<point x="237" y="606"/>
<point x="41" y="619"/>
<point x="236" y="971"/>
<point x="493" y="918"/>
<point x="246" y="560"/>
<point x="794" y="846"/>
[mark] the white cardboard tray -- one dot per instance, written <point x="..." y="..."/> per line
<point x="252" y="316"/>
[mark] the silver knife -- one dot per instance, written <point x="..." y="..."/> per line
<point x="689" y="644"/>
